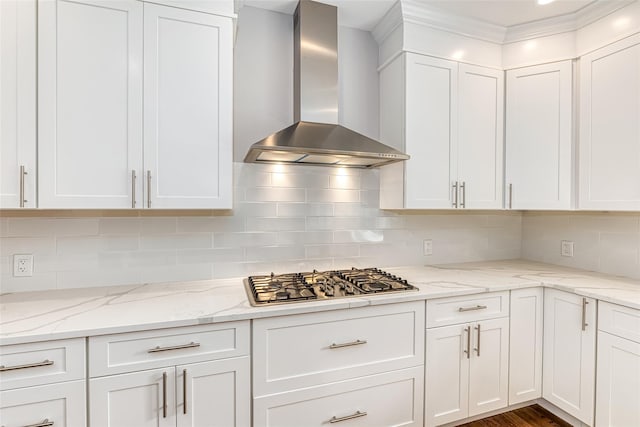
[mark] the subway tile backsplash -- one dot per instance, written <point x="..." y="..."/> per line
<point x="284" y="219"/>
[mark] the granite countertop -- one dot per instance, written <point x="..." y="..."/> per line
<point x="58" y="314"/>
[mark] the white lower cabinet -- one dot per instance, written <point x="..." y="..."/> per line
<point x="618" y="370"/>
<point x="388" y="399"/>
<point x="525" y="345"/>
<point x="568" y="379"/>
<point x="467" y="366"/>
<point x="209" y="393"/>
<point x="61" y="404"/>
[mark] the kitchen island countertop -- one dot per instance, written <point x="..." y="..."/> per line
<point x="69" y="313"/>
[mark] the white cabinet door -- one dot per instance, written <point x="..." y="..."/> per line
<point x="610" y="127"/>
<point x="525" y="345"/>
<point x="569" y="353"/>
<point x="480" y="143"/>
<point x="141" y="399"/>
<point x="18" y="103"/>
<point x="216" y="393"/>
<point x="447" y="374"/>
<point x="188" y="83"/>
<point x="89" y="103"/>
<point x="489" y="367"/>
<point x="61" y="404"/>
<point x="431" y="126"/>
<point x="539" y="163"/>
<point x="618" y="391"/>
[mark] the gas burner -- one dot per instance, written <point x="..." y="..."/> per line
<point x="320" y="285"/>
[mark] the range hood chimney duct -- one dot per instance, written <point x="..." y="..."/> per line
<point x="316" y="138"/>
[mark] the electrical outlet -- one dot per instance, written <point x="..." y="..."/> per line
<point x="428" y="247"/>
<point x="566" y="248"/>
<point x="23" y="265"/>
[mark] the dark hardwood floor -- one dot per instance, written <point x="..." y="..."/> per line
<point x="530" y="416"/>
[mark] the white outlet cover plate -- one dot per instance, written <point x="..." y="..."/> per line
<point x="428" y="247"/>
<point x="23" y="265"/>
<point x="566" y="248"/>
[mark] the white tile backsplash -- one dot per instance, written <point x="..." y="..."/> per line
<point x="284" y="219"/>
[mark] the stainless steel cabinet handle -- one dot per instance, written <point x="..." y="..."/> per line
<point x="184" y="390"/>
<point x="23" y="172"/>
<point x="510" y="196"/>
<point x="477" y="349"/>
<point x="45" y="423"/>
<point x="455" y="194"/>
<point x="468" y="350"/>
<point x="175" y="347"/>
<point x="148" y="189"/>
<point x="28" y="365"/>
<point x="133" y="189"/>
<point x="358" y="414"/>
<point x="584" y="314"/>
<point x="477" y="307"/>
<point x="463" y="187"/>
<point x="164" y="395"/>
<point x="348" y="344"/>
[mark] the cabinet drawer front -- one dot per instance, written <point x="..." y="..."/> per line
<point x="389" y="399"/>
<point x="469" y="308"/>
<point x="119" y="353"/>
<point x="60" y="404"/>
<point x="311" y="349"/>
<point x="25" y="365"/>
<point x="618" y="320"/>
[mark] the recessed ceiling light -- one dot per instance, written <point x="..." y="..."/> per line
<point x="543" y="2"/>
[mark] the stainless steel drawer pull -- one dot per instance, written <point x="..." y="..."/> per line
<point x="175" y="347"/>
<point x="148" y="189"/>
<point x="184" y="390"/>
<point x="463" y="186"/>
<point x="477" y="349"/>
<point x="477" y="307"/>
<point x="510" y="196"/>
<point x="45" y="423"/>
<point x="348" y="344"/>
<point x="455" y="195"/>
<point x="28" y="365"/>
<point x="468" y="350"/>
<point x="584" y="314"/>
<point x="358" y="414"/>
<point x="164" y="395"/>
<point x="133" y="189"/>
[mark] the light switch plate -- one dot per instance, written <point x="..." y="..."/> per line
<point x="566" y="248"/>
<point x="428" y="247"/>
<point x="23" y="265"/>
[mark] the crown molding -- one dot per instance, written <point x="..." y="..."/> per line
<point x="417" y="12"/>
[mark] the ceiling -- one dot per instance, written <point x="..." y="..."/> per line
<point x="365" y="14"/>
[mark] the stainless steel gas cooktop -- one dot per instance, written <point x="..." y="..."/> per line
<point x="322" y="285"/>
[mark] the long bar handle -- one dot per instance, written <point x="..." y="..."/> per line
<point x="510" y="196"/>
<point x="133" y="189"/>
<point x="164" y="395"/>
<point x="175" y="347"/>
<point x="584" y="314"/>
<point x="477" y="349"/>
<point x="148" y="188"/>
<point x="28" y="365"/>
<point x="45" y="423"/>
<point x="358" y="414"/>
<point x="348" y="344"/>
<point x="23" y="172"/>
<point x="455" y="195"/>
<point x="463" y="187"/>
<point x="477" y="307"/>
<point x="184" y="390"/>
<point x="468" y="350"/>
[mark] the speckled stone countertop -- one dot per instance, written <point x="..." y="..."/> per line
<point x="58" y="314"/>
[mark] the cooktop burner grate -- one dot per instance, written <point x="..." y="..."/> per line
<point x="321" y="285"/>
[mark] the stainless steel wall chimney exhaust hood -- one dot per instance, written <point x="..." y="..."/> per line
<point x="316" y="138"/>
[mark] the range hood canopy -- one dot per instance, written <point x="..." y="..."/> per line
<point x="316" y="138"/>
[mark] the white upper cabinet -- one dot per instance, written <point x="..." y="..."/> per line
<point x="480" y="141"/>
<point x="610" y="127"/>
<point x="539" y="162"/>
<point x="448" y="118"/>
<point x="92" y="65"/>
<point x="89" y="103"/>
<point x="188" y="66"/>
<point x="18" y="103"/>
